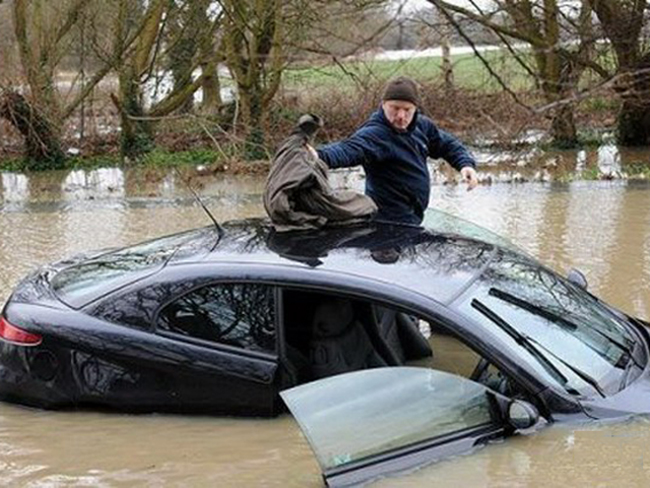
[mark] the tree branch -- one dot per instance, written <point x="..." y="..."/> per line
<point x="445" y="7"/>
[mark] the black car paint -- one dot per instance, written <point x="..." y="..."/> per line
<point x="100" y="362"/>
<point x="106" y="364"/>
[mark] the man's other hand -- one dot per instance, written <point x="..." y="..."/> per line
<point x="311" y="149"/>
<point x="470" y="177"/>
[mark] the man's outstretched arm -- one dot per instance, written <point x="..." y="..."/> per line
<point x="444" y="145"/>
<point x="356" y="150"/>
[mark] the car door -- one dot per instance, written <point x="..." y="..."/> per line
<point x="226" y="334"/>
<point x="369" y="423"/>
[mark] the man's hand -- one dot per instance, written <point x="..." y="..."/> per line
<point x="469" y="175"/>
<point x="311" y="149"/>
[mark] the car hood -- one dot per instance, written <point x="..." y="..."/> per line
<point x="632" y="400"/>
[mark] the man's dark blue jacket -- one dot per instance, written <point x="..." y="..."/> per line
<point x="395" y="162"/>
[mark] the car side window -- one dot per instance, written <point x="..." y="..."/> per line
<point x="418" y="342"/>
<point x="451" y="355"/>
<point x="329" y="334"/>
<point x="235" y="314"/>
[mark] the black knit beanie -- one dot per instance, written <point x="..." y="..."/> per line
<point x="402" y="88"/>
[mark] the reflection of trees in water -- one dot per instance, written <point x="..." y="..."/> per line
<point x="234" y="314"/>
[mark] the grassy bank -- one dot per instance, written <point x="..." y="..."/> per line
<point x="469" y="72"/>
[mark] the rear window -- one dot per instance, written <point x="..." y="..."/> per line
<point x="79" y="284"/>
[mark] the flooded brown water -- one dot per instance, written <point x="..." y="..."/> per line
<point x="600" y="227"/>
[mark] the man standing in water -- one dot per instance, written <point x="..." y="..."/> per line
<point x="393" y="146"/>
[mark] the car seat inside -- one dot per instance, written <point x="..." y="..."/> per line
<point x="327" y="334"/>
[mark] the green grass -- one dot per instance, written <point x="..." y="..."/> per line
<point x="12" y="164"/>
<point x="156" y="158"/>
<point x="600" y="104"/>
<point x="639" y="169"/>
<point x="162" y="158"/>
<point x="469" y="72"/>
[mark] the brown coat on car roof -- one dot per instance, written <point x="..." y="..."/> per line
<point x="298" y="194"/>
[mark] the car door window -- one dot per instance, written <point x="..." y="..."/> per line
<point x="351" y="419"/>
<point x="233" y="314"/>
<point x="450" y="354"/>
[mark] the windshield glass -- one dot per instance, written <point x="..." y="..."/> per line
<point x="450" y="224"/>
<point x="353" y="416"/>
<point x="579" y="336"/>
<point x="78" y="284"/>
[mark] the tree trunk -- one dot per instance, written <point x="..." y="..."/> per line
<point x="447" y="67"/>
<point x="211" y="87"/>
<point x="136" y="138"/>
<point x="253" y="45"/>
<point x="182" y="37"/>
<point x="563" y="127"/>
<point x="633" y="127"/>
<point x="181" y="62"/>
<point x="42" y="140"/>
<point x="253" y="119"/>
<point x="559" y="79"/>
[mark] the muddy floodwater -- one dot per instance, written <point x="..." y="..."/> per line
<point x="599" y="227"/>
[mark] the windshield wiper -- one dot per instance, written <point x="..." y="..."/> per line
<point x="531" y="345"/>
<point x="626" y="374"/>
<point x="561" y="321"/>
<point x="519" y="339"/>
<point x="581" y="374"/>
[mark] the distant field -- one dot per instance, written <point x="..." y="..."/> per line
<point x="469" y="72"/>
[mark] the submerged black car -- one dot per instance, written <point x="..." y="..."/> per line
<point x="449" y="338"/>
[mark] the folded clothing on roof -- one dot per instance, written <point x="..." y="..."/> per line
<point x="298" y="195"/>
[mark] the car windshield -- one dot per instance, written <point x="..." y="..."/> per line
<point x="582" y="344"/>
<point x="450" y="224"/>
<point x="354" y="416"/>
<point x="78" y="284"/>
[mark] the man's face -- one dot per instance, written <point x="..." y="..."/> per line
<point x="399" y="113"/>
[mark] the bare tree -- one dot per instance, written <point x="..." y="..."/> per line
<point x="622" y="22"/>
<point x="555" y="64"/>
<point x="187" y="37"/>
<point x="146" y="62"/>
<point x="41" y="33"/>
<point x="345" y="28"/>
<point x="44" y="33"/>
<point x="253" y="39"/>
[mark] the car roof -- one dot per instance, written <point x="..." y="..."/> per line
<point x="437" y="264"/>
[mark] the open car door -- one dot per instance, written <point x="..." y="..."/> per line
<point x="369" y="423"/>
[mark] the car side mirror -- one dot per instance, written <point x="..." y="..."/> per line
<point x="522" y="415"/>
<point x="577" y="278"/>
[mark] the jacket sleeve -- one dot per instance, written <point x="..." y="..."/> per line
<point x="359" y="149"/>
<point x="444" y="145"/>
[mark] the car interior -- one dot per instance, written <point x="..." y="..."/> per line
<point x="327" y="335"/>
